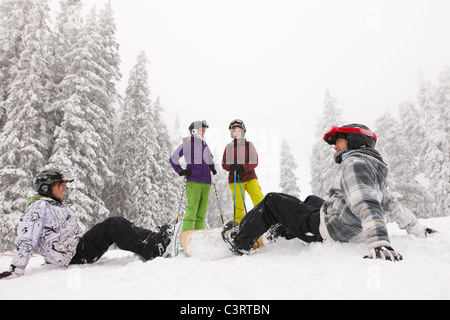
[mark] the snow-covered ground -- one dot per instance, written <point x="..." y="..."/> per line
<point x="286" y="270"/>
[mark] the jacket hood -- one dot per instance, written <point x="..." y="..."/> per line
<point x="33" y="199"/>
<point x="370" y="152"/>
<point x="37" y="197"/>
<point x="371" y="156"/>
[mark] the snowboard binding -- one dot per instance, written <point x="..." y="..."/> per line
<point x="229" y="233"/>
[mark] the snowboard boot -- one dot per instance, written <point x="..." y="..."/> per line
<point x="167" y="231"/>
<point x="156" y="243"/>
<point x="230" y="232"/>
<point x="174" y="246"/>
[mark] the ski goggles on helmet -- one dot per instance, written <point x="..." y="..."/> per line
<point x="67" y="176"/>
<point x="237" y="123"/>
<point x="331" y="136"/>
<point x="64" y="177"/>
<point x="205" y="124"/>
<point x="198" y="124"/>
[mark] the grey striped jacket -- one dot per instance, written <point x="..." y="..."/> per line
<point x="359" y="201"/>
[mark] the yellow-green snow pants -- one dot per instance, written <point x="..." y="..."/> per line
<point x="253" y="189"/>
<point x="197" y="195"/>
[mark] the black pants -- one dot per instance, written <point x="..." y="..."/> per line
<point x="299" y="219"/>
<point x="94" y="243"/>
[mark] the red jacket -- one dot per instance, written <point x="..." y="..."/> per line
<point x="242" y="153"/>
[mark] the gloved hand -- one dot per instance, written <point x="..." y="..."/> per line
<point x="239" y="169"/>
<point x="5" y="274"/>
<point x="15" y="273"/>
<point x="384" y="253"/>
<point x="187" y="173"/>
<point x="214" y="171"/>
<point x="421" y="232"/>
<point x="429" y="231"/>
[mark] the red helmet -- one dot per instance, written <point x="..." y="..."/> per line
<point x="357" y="136"/>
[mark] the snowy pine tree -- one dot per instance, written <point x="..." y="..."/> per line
<point x="129" y="143"/>
<point x="69" y="23"/>
<point x="394" y="148"/>
<point x="176" y="135"/>
<point x="109" y="60"/>
<point x="390" y="145"/>
<point x="12" y="25"/>
<point x="412" y="126"/>
<point x="64" y="37"/>
<point x="411" y="123"/>
<point x="148" y="209"/>
<point x="426" y="104"/>
<point x="431" y="156"/>
<point x="288" y="178"/>
<point x="168" y="187"/>
<point x="323" y="167"/>
<point x="84" y="137"/>
<point x="120" y="200"/>
<point x="27" y="131"/>
<point x="436" y="105"/>
<point x="143" y="174"/>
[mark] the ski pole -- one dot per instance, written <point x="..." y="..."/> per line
<point x="234" y="208"/>
<point x="218" y="202"/>
<point x="242" y="194"/>
<point x="181" y="201"/>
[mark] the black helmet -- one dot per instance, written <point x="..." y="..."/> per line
<point x="358" y="136"/>
<point x="237" y="123"/>
<point x="45" y="179"/>
<point x="196" y="125"/>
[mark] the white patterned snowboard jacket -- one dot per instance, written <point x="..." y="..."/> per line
<point x="52" y="229"/>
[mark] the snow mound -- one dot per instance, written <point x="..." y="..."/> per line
<point x="285" y="270"/>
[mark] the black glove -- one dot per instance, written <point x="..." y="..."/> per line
<point x="5" y="274"/>
<point x="214" y="171"/>
<point x="384" y="253"/>
<point x="187" y="173"/>
<point x="429" y="231"/>
<point x="238" y="169"/>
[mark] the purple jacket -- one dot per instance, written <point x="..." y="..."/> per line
<point x="198" y="158"/>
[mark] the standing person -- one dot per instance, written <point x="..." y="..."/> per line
<point x="52" y="228"/>
<point x="355" y="211"/>
<point x="240" y="157"/>
<point x="200" y="164"/>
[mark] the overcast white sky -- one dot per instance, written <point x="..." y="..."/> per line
<point x="268" y="62"/>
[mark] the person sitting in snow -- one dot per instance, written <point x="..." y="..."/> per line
<point x="358" y="201"/>
<point x="52" y="228"/>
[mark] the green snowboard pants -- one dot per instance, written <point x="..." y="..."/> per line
<point x="197" y="196"/>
